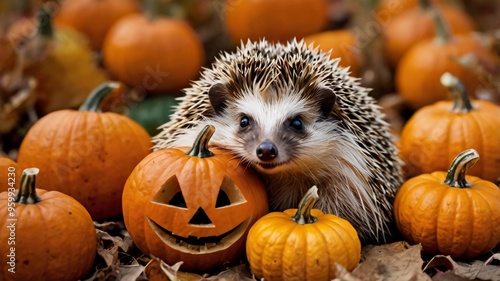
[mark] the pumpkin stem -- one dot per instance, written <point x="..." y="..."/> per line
<point x="200" y="145"/>
<point x="442" y="29"/>
<point x="461" y="101"/>
<point x="44" y="22"/>
<point x="303" y="215"/>
<point x="27" y="190"/>
<point x="459" y="167"/>
<point x="97" y="96"/>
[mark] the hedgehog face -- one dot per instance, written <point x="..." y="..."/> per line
<point x="269" y="129"/>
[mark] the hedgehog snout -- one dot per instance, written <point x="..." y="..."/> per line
<point x="267" y="151"/>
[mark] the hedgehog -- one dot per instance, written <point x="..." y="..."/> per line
<point x="292" y="114"/>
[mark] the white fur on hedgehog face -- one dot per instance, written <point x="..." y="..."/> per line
<point x="291" y="124"/>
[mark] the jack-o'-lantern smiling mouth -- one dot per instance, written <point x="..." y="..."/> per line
<point x="202" y="245"/>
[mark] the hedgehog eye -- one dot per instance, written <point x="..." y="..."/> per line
<point x="244" y="121"/>
<point x="296" y="124"/>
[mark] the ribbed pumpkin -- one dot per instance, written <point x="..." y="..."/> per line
<point x="435" y="134"/>
<point x="417" y="73"/>
<point x="342" y="43"/>
<point x="419" y="20"/>
<point x="46" y="235"/>
<point x="302" y="244"/>
<point x="450" y="213"/>
<point x="82" y="14"/>
<point x="153" y="52"/>
<point x="193" y="205"/>
<point x="274" y="20"/>
<point x="86" y="154"/>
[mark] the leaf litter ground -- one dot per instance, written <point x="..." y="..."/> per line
<point x="119" y="259"/>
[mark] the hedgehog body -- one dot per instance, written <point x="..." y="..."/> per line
<point x="297" y="118"/>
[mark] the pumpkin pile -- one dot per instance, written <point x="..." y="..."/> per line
<point x="85" y="84"/>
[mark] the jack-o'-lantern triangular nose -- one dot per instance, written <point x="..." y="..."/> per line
<point x="200" y="217"/>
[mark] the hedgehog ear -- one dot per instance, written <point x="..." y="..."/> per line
<point x="218" y="96"/>
<point x="326" y="98"/>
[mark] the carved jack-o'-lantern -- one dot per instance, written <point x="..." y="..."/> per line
<point x="195" y="206"/>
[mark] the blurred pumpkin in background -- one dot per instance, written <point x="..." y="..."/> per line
<point x="409" y="27"/>
<point x="94" y="18"/>
<point x="274" y="20"/>
<point x="342" y="43"/>
<point x="417" y="74"/>
<point x="153" y="52"/>
<point x="60" y="60"/>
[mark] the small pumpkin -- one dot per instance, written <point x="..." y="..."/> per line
<point x="397" y="38"/>
<point x="193" y="205"/>
<point x="436" y="133"/>
<point x="417" y="72"/>
<point x="86" y="154"/>
<point x="342" y="44"/>
<point x="46" y="235"/>
<point x="302" y="244"/>
<point x="153" y="52"/>
<point x="450" y="213"/>
<point x="82" y="14"/>
<point x="274" y="20"/>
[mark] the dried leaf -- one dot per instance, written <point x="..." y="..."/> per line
<point x="397" y="261"/>
<point x="236" y="273"/>
<point x="158" y="270"/>
<point x="448" y="276"/>
<point x="475" y="269"/>
<point x="130" y="272"/>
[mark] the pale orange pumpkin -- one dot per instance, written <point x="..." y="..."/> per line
<point x="302" y="244"/>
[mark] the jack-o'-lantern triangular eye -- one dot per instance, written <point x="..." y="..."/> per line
<point x="229" y="194"/>
<point x="170" y="193"/>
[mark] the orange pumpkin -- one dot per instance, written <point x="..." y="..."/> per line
<point x="416" y="73"/>
<point x="86" y="154"/>
<point x="302" y="244"/>
<point x="153" y="53"/>
<point x="342" y="43"/>
<point x="274" y="20"/>
<point x="8" y="172"/>
<point x="46" y="235"/>
<point x="196" y="206"/>
<point x="450" y="213"/>
<point x="436" y="133"/>
<point x="94" y="18"/>
<point x="419" y="20"/>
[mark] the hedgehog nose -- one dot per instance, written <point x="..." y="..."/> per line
<point x="267" y="151"/>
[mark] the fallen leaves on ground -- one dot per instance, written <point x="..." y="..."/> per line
<point x="118" y="258"/>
